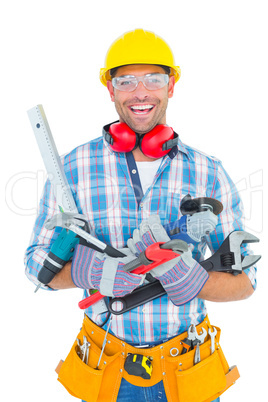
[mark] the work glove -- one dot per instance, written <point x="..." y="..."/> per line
<point x="93" y="270"/>
<point x="182" y="277"/>
<point x="191" y="228"/>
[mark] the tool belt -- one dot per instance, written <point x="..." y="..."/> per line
<point x="183" y="381"/>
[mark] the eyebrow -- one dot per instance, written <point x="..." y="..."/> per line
<point x="132" y="75"/>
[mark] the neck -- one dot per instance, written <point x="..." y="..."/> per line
<point x="140" y="157"/>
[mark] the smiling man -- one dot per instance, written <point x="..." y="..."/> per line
<point x="141" y="94"/>
<point x="128" y="184"/>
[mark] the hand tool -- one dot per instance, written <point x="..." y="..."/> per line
<point x="226" y="259"/>
<point x="194" y="340"/>
<point x="197" y="357"/>
<point x="138" y="365"/>
<point x="201" y="337"/>
<point x="190" y="340"/>
<point x="79" y="347"/>
<point x="156" y="254"/>
<point x="104" y="342"/>
<point x="85" y="350"/>
<point x="212" y="335"/>
<point x="60" y="185"/>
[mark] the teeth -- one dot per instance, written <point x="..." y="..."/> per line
<point x="142" y="107"/>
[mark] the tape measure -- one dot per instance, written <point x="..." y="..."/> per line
<point x="139" y="366"/>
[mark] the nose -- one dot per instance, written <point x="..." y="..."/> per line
<point x="141" y="92"/>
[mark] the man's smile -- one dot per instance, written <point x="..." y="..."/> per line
<point x="141" y="109"/>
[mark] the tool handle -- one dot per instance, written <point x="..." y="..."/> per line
<point x="148" y="292"/>
<point x="61" y="252"/>
<point x="172" y="228"/>
<point x="154" y="252"/>
<point x="113" y="252"/>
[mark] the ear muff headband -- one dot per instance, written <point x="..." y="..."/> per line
<point x="154" y="144"/>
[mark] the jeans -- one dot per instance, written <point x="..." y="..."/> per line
<point x="131" y="393"/>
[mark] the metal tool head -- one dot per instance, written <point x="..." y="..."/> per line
<point x="236" y="239"/>
<point x="240" y="236"/>
<point x="250" y="260"/>
<point x="176" y="245"/>
<point x="212" y="333"/>
<point x="65" y="220"/>
<point x="201" y="337"/>
<point x="229" y="257"/>
<point x="190" y="206"/>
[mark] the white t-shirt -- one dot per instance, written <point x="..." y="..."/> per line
<point x="147" y="171"/>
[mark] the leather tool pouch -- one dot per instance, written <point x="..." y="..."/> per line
<point x="202" y="380"/>
<point x="183" y="381"/>
<point x="209" y="378"/>
<point x="83" y="380"/>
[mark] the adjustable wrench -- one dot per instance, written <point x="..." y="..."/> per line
<point x="228" y="257"/>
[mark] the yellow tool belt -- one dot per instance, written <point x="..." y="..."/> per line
<point x="183" y="381"/>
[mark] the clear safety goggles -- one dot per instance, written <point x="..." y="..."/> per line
<point x="129" y="83"/>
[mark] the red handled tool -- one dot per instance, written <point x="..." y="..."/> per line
<point x="154" y="255"/>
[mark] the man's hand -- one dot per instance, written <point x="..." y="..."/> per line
<point x="181" y="277"/>
<point x="191" y="228"/>
<point x="93" y="270"/>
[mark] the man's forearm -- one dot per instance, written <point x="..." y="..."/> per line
<point x="222" y="287"/>
<point x="63" y="280"/>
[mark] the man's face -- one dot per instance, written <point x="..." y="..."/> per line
<point x="130" y="105"/>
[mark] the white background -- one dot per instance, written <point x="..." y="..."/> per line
<point x="51" y="52"/>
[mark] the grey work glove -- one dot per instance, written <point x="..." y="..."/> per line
<point x="181" y="277"/>
<point x="93" y="270"/>
<point x="201" y="224"/>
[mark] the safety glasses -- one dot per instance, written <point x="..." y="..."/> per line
<point x="129" y="83"/>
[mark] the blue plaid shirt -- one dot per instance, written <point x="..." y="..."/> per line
<point x="107" y="189"/>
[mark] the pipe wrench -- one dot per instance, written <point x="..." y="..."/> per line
<point x="227" y="259"/>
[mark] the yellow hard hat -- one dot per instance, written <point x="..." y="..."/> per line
<point x="138" y="47"/>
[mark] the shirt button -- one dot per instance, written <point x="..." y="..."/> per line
<point x="134" y="171"/>
<point x="141" y="205"/>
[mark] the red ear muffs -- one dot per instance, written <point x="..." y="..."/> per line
<point x="123" y="139"/>
<point x="154" y="144"/>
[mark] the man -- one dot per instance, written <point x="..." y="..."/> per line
<point x="136" y="177"/>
